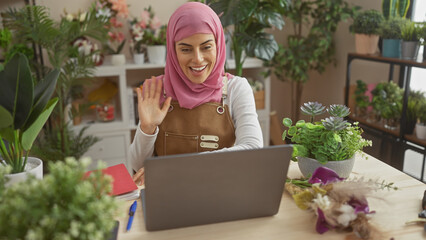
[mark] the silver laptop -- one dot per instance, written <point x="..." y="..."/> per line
<point x="194" y="189"/>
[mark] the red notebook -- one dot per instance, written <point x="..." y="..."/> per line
<point x="122" y="181"/>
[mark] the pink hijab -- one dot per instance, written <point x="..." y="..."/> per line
<point x="189" y="19"/>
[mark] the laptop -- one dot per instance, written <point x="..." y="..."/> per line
<point x="194" y="189"/>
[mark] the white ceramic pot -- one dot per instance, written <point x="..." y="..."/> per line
<point x="34" y="167"/>
<point x="366" y="44"/>
<point x="157" y="54"/>
<point x="421" y="131"/>
<point x="139" y="58"/>
<point x="343" y="168"/>
<point x="118" y="59"/>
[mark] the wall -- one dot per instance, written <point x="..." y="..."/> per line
<point x="326" y="88"/>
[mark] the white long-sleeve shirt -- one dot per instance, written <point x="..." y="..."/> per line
<point x="240" y="101"/>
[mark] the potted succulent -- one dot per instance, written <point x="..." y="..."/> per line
<point x="390" y="31"/>
<point x="62" y="205"/>
<point x="24" y="109"/>
<point x="410" y="34"/>
<point x="366" y="28"/>
<point x="423" y="36"/>
<point x="331" y="142"/>
<point x="387" y="99"/>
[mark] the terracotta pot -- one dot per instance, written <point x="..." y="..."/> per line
<point x="34" y="167"/>
<point x="366" y="44"/>
<point x="343" y="168"/>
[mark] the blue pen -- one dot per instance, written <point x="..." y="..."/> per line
<point x="131" y="214"/>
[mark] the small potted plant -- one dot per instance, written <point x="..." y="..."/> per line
<point x="149" y="33"/>
<point x="366" y="28"/>
<point x="410" y="34"/>
<point x="390" y="31"/>
<point x="24" y="109"/>
<point x="387" y="99"/>
<point x="361" y="100"/>
<point x="421" y="124"/>
<point x="414" y="104"/>
<point x="331" y="142"/>
<point x="63" y="205"/>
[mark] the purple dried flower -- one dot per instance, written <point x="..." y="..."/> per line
<point x="324" y="175"/>
<point x="322" y="225"/>
<point x="359" y="205"/>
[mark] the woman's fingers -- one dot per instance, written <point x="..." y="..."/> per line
<point x="159" y="87"/>
<point x="166" y="105"/>
<point x="139" y="177"/>
<point x="152" y="87"/>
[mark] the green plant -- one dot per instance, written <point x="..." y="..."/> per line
<point x="387" y="99"/>
<point x="311" y="46"/>
<point x="10" y="48"/>
<point x="367" y="22"/>
<point x="415" y="101"/>
<point x="24" y="109"/>
<point x="33" y="24"/>
<point x="395" y="8"/>
<point x="249" y="19"/>
<point x="331" y="139"/>
<point x="391" y="28"/>
<point x="410" y="31"/>
<point x="63" y="205"/>
<point x="361" y="100"/>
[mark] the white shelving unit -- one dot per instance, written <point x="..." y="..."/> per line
<point x="115" y="135"/>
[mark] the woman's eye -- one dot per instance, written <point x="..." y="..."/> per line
<point x="184" y="50"/>
<point x="207" y="47"/>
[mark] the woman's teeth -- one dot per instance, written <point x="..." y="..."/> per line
<point x="198" y="69"/>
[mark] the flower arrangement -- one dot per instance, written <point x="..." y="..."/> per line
<point x="331" y="139"/>
<point x="112" y="11"/>
<point x="147" y="30"/>
<point x="338" y="203"/>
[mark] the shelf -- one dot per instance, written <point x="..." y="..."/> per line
<point x="412" y="138"/>
<point x="378" y="58"/>
<point x="375" y="125"/>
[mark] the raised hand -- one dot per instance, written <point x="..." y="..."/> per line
<point x="151" y="114"/>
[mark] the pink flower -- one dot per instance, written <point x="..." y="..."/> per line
<point x="322" y="225"/>
<point x="115" y="23"/>
<point x="120" y="7"/>
<point x="142" y="24"/>
<point x="155" y="24"/>
<point x="145" y="16"/>
<point x="120" y="37"/>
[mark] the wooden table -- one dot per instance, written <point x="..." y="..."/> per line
<point x="393" y="209"/>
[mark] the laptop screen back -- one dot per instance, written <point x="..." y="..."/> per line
<point x="193" y="189"/>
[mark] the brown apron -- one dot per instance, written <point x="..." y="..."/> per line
<point x="206" y="127"/>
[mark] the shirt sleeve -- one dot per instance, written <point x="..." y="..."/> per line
<point x="142" y="147"/>
<point x="243" y="112"/>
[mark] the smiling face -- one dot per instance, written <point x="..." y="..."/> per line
<point x="197" y="56"/>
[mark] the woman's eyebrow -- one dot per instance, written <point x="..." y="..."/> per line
<point x="189" y="45"/>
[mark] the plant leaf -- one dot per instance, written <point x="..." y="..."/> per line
<point x="6" y="118"/>
<point x="287" y="122"/>
<point x="42" y="93"/>
<point x="31" y="133"/>
<point x="16" y="92"/>
<point x="233" y="11"/>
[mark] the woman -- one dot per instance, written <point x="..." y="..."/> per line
<point x="200" y="108"/>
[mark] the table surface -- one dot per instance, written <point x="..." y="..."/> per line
<point x="393" y="210"/>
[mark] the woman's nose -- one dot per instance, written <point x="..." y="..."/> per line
<point x="198" y="56"/>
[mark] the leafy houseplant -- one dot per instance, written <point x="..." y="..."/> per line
<point x="246" y="21"/>
<point x="390" y="31"/>
<point x="365" y="27"/>
<point x="367" y="22"/>
<point x="24" y="109"/>
<point x="410" y="34"/>
<point x="331" y="139"/>
<point x="32" y="23"/>
<point x="62" y="205"/>
<point x="395" y="8"/>
<point x="311" y="46"/>
<point x="361" y="100"/>
<point x="416" y="100"/>
<point x="387" y="99"/>
<point x="421" y="114"/>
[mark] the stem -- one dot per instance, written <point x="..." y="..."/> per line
<point x="5" y="154"/>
